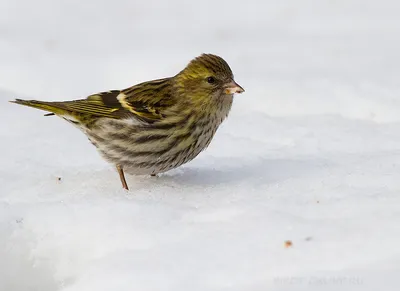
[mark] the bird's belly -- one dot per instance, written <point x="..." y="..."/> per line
<point x="139" y="156"/>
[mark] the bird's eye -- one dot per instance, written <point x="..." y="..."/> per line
<point x="211" y="80"/>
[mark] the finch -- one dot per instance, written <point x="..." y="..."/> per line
<point x="154" y="126"/>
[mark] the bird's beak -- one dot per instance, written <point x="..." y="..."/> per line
<point x="233" y="88"/>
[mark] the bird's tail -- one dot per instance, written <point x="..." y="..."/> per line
<point x="53" y="107"/>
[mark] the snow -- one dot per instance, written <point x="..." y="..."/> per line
<point x="310" y="152"/>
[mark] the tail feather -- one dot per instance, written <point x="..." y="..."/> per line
<point x="53" y="107"/>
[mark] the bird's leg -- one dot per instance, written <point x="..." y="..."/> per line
<point x="153" y="175"/>
<point x="122" y="177"/>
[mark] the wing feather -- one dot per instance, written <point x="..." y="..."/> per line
<point x="146" y="101"/>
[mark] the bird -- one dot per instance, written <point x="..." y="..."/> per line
<point x="154" y="126"/>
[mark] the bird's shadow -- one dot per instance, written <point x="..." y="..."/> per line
<point x="215" y="172"/>
<point x="228" y="171"/>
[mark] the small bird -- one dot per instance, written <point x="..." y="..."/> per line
<point x="154" y="126"/>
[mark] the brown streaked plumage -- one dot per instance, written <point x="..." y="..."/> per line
<point x="158" y="125"/>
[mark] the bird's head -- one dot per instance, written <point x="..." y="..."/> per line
<point x="207" y="77"/>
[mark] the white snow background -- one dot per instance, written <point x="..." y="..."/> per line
<point x="310" y="152"/>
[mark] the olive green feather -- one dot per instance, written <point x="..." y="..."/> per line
<point x="146" y="101"/>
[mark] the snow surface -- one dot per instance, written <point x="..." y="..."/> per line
<point x="310" y="153"/>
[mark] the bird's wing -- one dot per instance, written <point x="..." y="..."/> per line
<point x="147" y="102"/>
